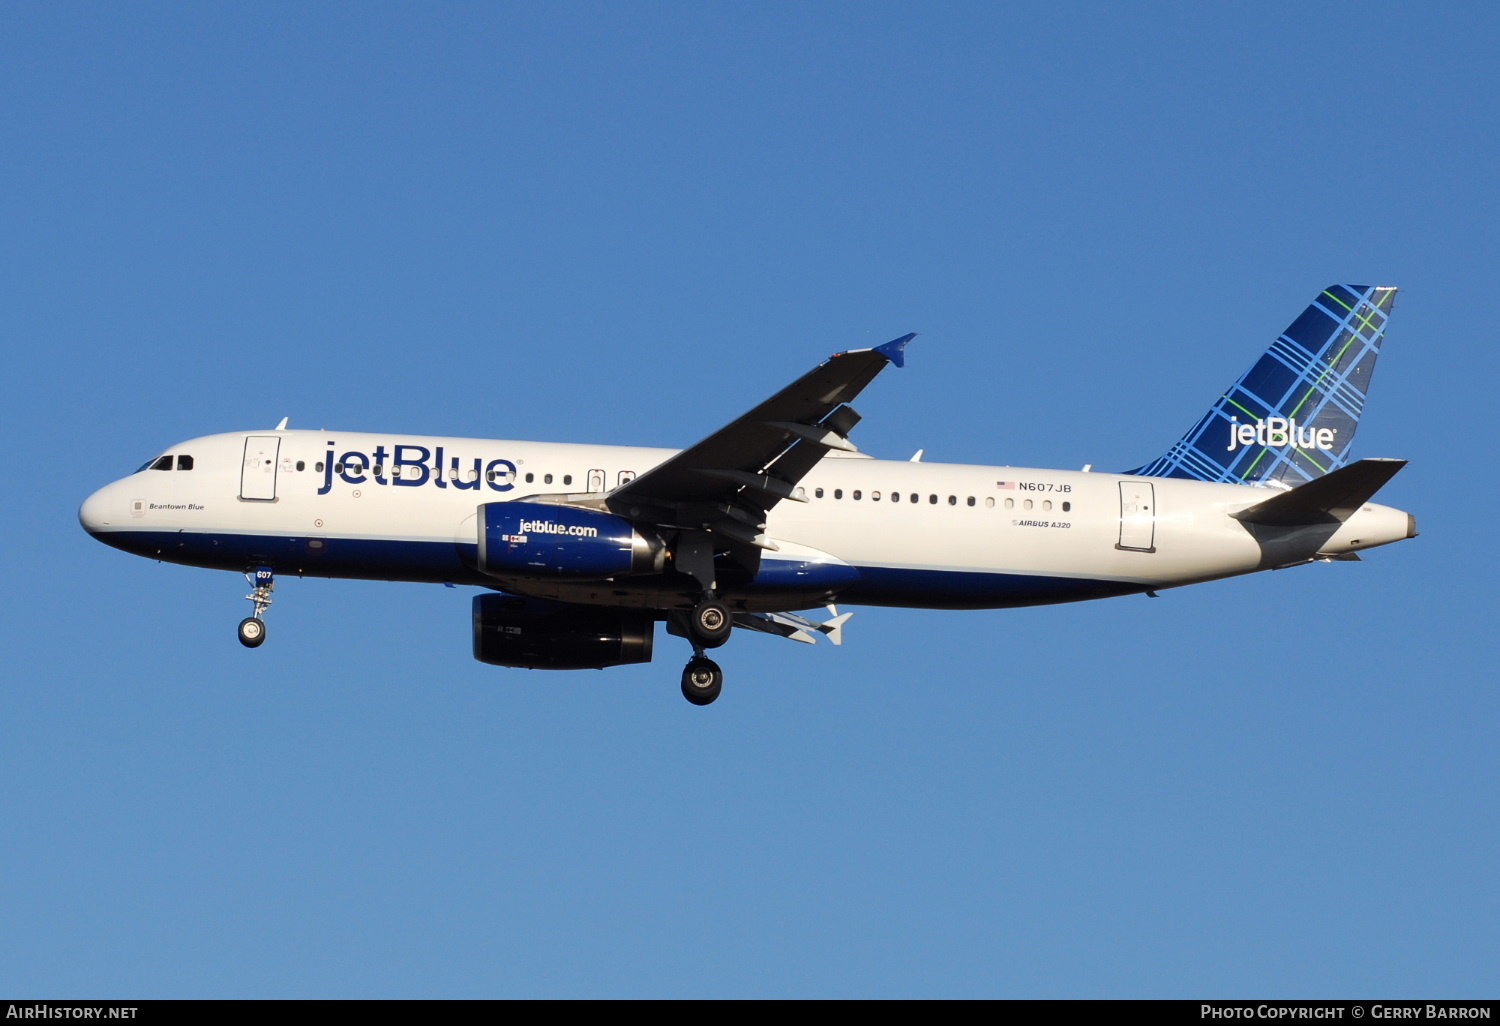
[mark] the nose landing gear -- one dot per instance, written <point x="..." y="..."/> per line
<point x="252" y="629"/>
<point x="252" y="632"/>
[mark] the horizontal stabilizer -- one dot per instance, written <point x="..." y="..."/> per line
<point x="835" y="628"/>
<point x="790" y="625"/>
<point x="1329" y="499"/>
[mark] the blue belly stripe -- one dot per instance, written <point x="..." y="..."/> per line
<point x="449" y="562"/>
<point x="973" y="589"/>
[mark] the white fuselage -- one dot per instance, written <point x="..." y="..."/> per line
<point x="344" y="504"/>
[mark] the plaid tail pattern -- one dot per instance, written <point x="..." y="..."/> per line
<point x="1292" y="417"/>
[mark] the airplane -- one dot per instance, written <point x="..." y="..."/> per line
<point x="583" y="549"/>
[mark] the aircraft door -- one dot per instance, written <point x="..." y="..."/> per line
<point x="258" y="474"/>
<point x="1137" y="516"/>
<point x="596" y="480"/>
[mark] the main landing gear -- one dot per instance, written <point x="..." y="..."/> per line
<point x="702" y="680"/>
<point x="707" y="626"/>
<point x="253" y="627"/>
<point x="710" y="623"/>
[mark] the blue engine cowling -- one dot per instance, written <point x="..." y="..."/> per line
<point x="540" y="540"/>
<point x="540" y="635"/>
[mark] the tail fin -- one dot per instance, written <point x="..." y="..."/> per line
<point x="1291" y="418"/>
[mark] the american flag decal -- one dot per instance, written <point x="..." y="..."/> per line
<point x="1006" y="484"/>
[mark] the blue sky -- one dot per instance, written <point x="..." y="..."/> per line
<point x="629" y="222"/>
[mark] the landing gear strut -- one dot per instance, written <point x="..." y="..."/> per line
<point x="253" y="627"/>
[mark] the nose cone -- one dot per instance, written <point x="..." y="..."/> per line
<point x="99" y="509"/>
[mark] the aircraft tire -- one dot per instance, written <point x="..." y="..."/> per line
<point x="702" y="680"/>
<point x="711" y="623"/>
<point x="252" y="632"/>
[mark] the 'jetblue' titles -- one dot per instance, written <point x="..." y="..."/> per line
<point x="411" y="466"/>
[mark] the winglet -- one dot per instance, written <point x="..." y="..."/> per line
<point x="895" y="349"/>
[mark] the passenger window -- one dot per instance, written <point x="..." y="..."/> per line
<point x="186" y="463"/>
<point x="164" y="463"/>
<point x="971" y="500"/>
<point x="380" y="470"/>
<point x="1010" y="503"/>
<point x="953" y="500"/>
<point x="799" y="492"/>
<point x="1067" y="506"/>
<point x="856" y="493"/>
<point x="932" y="499"/>
<point x="338" y="468"/>
<point x="818" y="493"/>
<point x="1027" y="504"/>
<point x="546" y="479"/>
<point x="530" y="478"/>
<point x="989" y="502"/>
<point x="895" y="496"/>
<point x="874" y="496"/>
<point x="300" y="465"/>
<point x="1046" y="504"/>
<point x="567" y="479"/>
<point x="318" y="466"/>
<point x="915" y="497"/>
<point x="838" y="493"/>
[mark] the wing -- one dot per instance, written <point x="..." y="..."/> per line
<point x="727" y="483"/>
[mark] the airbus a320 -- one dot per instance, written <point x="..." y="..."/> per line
<point x="582" y="550"/>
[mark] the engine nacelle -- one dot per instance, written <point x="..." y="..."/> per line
<point x="538" y="635"/>
<point x="540" y="540"/>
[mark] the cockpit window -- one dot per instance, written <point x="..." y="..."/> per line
<point x="163" y="463"/>
<point x="184" y="463"/>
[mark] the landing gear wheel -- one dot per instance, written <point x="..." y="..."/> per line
<point x="711" y="622"/>
<point x="252" y="627"/>
<point x="702" y="680"/>
<point x="252" y="632"/>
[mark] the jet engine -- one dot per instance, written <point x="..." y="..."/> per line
<point x="539" y="540"/>
<point x="538" y="635"/>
